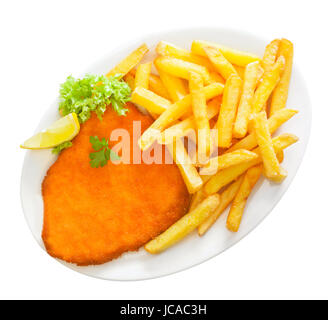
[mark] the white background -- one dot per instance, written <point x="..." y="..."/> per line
<point x="44" y="41"/>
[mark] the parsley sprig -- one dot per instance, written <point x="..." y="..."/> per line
<point x="93" y="93"/>
<point x="103" y="152"/>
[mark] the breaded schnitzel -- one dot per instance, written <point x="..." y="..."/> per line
<point x="93" y="215"/>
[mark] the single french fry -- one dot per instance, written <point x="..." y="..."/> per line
<point x="129" y="62"/>
<point x="228" y="110"/>
<point x="129" y="79"/>
<point x="227" y="160"/>
<point x="184" y="226"/>
<point x="239" y="58"/>
<point x="181" y="69"/>
<point x="224" y="177"/>
<point x="142" y="75"/>
<point x="167" y="49"/>
<point x="182" y="128"/>
<point x="225" y="199"/>
<point x="199" y="108"/>
<point x="280" y="94"/>
<point x="173" y="113"/>
<point x="174" y="86"/>
<point x="189" y="173"/>
<point x="270" y="55"/>
<point x="269" y="82"/>
<point x="245" y="104"/>
<point x="220" y="63"/>
<point x="149" y="100"/>
<point x="275" y="121"/>
<point x="272" y="169"/>
<point x="239" y="202"/>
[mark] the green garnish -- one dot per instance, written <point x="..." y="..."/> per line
<point x="58" y="149"/>
<point x="93" y="93"/>
<point x="102" y="154"/>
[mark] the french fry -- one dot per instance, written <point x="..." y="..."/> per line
<point x="269" y="82"/>
<point x="184" y="226"/>
<point x="239" y="202"/>
<point x="239" y="58"/>
<point x="129" y="62"/>
<point x="199" y="108"/>
<point x="275" y="121"/>
<point x="227" y="160"/>
<point x="167" y="49"/>
<point x="149" y="100"/>
<point x="173" y="113"/>
<point x="280" y="94"/>
<point x="220" y="63"/>
<point x="272" y="169"/>
<point x="142" y="75"/>
<point x="183" y="127"/>
<point x="270" y="55"/>
<point x="181" y="69"/>
<point x="174" y="86"/>
<point x="225" y="199"/>
<point x="189" y="173"/>
<point x="224" y="177"/>
<point x="129" y="79"/>
<point x="245" y="104"/>
<point x="228" y="110"/>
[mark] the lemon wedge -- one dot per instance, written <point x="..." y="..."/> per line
<point x="64" y="129"/>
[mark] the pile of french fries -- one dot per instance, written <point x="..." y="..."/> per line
<point x="235" y="101"/>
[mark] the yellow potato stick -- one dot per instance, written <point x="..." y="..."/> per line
<point x="156" y="85"/>
<point x="184" y="226"/>
<point x="225" y="176"/>
<point x="129" y="62"/>
<point x="227" y="160"/>
<point x="189" y="173"/>
<point x="173" y="113"/>
<point x="275" y="121"/>
<point x="142" y="75"/>
<point x="280" y="94"/>
<point x="220" y="63"/>
<point x="167" y="49"/>
<point x="216" y="77"/>
<point x="270" y="55"/>
<point x="181" y="69"/>
<point x="228" y="110"/>
<point x="149" y="100"/>
<point x="174" y="86"/>
<point x="272" y="169"/>
<point x="225" y="199"/>
<point x="269" y="82"/>
<point x="182" y="128"/>
<point x="245" y="104"/>
<point x="199" y="108"/>
<point x="239" y="202"/>
<point x="129" y="79"/>
<point x="239" y="58"/>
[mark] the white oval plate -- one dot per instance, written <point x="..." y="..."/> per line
<point x="193" y="249"/>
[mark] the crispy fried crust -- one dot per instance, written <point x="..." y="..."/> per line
<point x="93" y="215"/>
